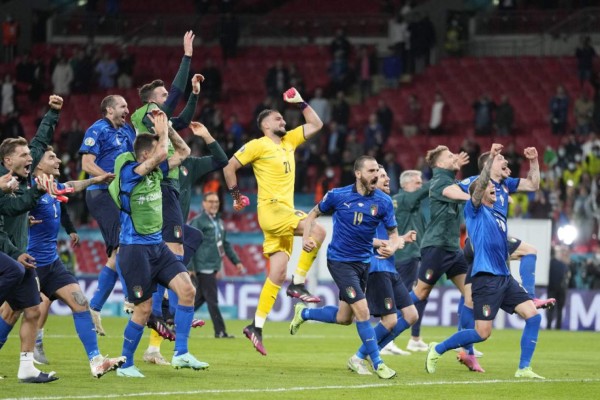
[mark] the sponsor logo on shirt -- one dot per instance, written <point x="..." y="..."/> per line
<point x="151" y="197"/>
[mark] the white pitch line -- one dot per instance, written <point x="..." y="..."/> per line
<point x="306" y="388"/>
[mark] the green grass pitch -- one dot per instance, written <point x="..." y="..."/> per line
<point x="310" y="365"/>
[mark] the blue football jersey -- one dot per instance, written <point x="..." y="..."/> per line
<point x="355" y="220"/>
<point x="488" y="233"/>
<point x="106" y="143"/>
<point x="43" y="237"/>
<point x="504" y="189"/>
<point x="129" y="178"/>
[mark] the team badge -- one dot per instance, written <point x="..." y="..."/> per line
<point x="388" y="303"/>
<point x="350" y="292"/>
<point x="177" y="231"/>
<point x="138" y="292"/>
<point x="89" y="141"/>
<point x="429" y="274"/>
<point x="374" y="210"/>
<point x="184" y="171"/>
<point x="486" y="311"/>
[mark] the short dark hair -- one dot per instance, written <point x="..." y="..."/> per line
<point x="482" y="160"/>
<point x="108" y="101"/>
<point x="143" y="142"/>
<point x="9" y="145"/>
<point x="262" y="115"/>
<point x="360" y="161"/>
<point x="146" y="90"/>
<point x="205" y="195"/>
<point x="433" y="155"/>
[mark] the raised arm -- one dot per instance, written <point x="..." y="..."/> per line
<point x="482" y="182"/>
<point x="532" y="182"/>
<point x="185" y="117"/>
<point x="180" y="81"/>
<point x="182" y="150"/>
<point x="45" y="132"/>
<point x="217" y="158"/>
<point x="313" y="122"/>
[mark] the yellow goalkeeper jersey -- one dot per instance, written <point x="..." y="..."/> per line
<point x="274" y="166"/>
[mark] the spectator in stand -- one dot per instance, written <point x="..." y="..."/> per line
<point x="454" y="40"/>
<point x="125" y="64"/>
<point x="354" y="147"/>
<point x="340" y="46"/>
<point x="505" y="117"/>
<point x="82" y="67"/>
<point x="62" y="77"/>
<point x="559" y="110"/>
<point x="277" y="79"/>
<point x="471" y="147"/>
<point x="412" y="117"/>
<point x="585" y="54"/>
<point x="514" y="159"/>
<point x="339" y="72"/>
<point x="374" y="135"/>
<point x="584" y="111"/>
<point x="324" y="184"/>
<point x="321" y="106"/>
<point x="558" y="284"/>
<point x="398" y="36"/>
<point x="385" y="117"/>
<point x="236" y="130"/>
<point x="592" y="161"/>
<point x="296" y="79"/>
<point x="213" y="80"/>
<point x="229" y="35"/>
<point x="10" y="38"/>
<point x="393" y="169"/>
<point x="73" y="139"/>
<point x="54" y="60"/>
<point x="366" y="67"/>
<point x="106" y="69"/>
<point x="595" y="81"/>
<point x="8" y="95"/>
<point x="539" y="208"/>
<point x="340" y="111"/>
<point x="335" y="143"/>
<point x="347" y="177"/>
<point x="38" y="84"/>
<point x="483" y="109"/>
<point x="12" y="127"/>
<point x="25" y="70"/>
<point x="436" y="118"/>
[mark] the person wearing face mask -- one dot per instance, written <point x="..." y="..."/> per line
<point x="324" y="184"/>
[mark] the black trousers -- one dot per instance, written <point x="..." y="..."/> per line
<point x="560" y="296"/>
<point x="206" y="292"/>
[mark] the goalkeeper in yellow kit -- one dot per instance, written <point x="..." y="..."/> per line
<point x="272" y="159"/>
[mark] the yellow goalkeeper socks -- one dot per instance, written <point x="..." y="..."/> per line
<point x="304" y="263"/>
<point x="267" y="298"/>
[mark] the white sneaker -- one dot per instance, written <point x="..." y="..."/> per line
<point x="154" y="357"/>
<point x="97" y="322"/>
<point x="477" y="353"/>
<point x="358" y="365"/>
<point x="391" y="349"/>
<point x="417" y="345"/>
